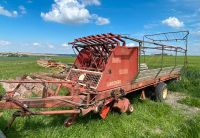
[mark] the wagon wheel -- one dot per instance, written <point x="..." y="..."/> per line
<point x="130" y="108"/>
<point x="70" y="120"/>
<point x="161" y="91"/>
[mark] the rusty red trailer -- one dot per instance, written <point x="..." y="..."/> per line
<point x="104" y="72"/>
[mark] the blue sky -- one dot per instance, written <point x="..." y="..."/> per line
<point x="46" y="26"/>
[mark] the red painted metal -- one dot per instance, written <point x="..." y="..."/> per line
<point x="103" y="73"/>
<point x="105" y="111"/>
<point x="122" y="67"/>
<point x="122" y="104"/>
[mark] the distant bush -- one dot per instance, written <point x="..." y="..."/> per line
<point x="2" y="91"/>
<point x="13" y="55"/>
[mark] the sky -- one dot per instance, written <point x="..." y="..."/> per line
<point x="46" y="26"/>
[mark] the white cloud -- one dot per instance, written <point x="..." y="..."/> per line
<point x="91" y="2"/>
<point x="36" y="44"/>
<point x="64" y="45"/>
<point x="22" y="9"/>
<point x="43" y="45"/>
<point x="50" y="46"/>
<point x="195" y="33"/>
<point x="131" y="44"/>
<point x="4" y="43"/>
<point x="72" y="11"/>
<point x="5" y="12"/>
<point x="173" y="22"/>
<point x="67" y="11"/>
<point x="102" y="21"/>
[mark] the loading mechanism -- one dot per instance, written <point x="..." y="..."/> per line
<point x="105" y="70"/>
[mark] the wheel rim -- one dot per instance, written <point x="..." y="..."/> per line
<point x="131" y="109"/>
<point x="165" y="91"/>
<point x="68" y="122"/>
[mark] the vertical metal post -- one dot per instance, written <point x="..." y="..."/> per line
<point x="140" y="47"/>
<point x="176" y="58"/>
<point x="162" y="55"/>
<point x="144" y="50"/>
<point x="186" y="45"/>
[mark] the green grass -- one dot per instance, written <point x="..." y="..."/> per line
<point x="191" y="101"/>
<point x="2" y="91"/>
<point x="64" y="59"/>
<point x="190" y="82"/>
<point x="150" y="119"/>
<point x="13" y="66"/>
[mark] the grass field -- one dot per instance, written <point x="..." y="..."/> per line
<point x="150" y="119"/>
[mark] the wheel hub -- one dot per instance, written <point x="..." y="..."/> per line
<point x="165" y="91"/>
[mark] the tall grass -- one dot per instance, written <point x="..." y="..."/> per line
<point x="190" y="82"/>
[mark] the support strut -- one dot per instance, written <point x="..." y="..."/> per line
<point x="13" y="118"/>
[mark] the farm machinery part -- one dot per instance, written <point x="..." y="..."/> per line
<point x="47" y="63"/>
<point x="104" y="72"/>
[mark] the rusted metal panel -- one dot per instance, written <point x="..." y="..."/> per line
<point x="122" y="67"/>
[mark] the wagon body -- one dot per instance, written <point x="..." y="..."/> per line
<point x="104" y="72"/>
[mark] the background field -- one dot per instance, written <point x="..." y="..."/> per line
<point x="150" y="119"/>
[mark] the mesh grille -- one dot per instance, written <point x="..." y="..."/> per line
<point x="84" y="77"/>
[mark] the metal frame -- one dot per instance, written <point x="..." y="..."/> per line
<point x="169" y="37"/>
<point x="83" y="98"/>
<point x="100" y="46"/>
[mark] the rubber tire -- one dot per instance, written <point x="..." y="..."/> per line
<point x="159" y="91"/>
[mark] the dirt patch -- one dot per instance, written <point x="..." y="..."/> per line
<point x="173" y="99"/>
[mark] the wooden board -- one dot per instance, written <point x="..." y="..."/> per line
<point x="154" y="73"/>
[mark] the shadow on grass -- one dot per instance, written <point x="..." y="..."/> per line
<point x="35" y="123"/>
<point x="38" y="123"/>
<point x="12" y="132"/>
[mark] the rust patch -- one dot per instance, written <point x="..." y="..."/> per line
<point x="113" y="83"/>
<point x="123" y="71"/>
<point x="116" y="60"/>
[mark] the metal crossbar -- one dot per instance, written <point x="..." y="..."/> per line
<point x="168" y="36"/>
